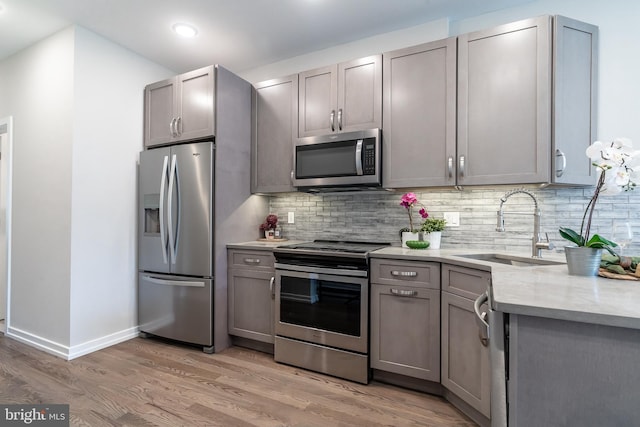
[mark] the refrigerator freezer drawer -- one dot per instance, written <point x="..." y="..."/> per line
<point x="177" y="308"/>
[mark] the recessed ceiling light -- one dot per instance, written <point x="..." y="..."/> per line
<point x="185" y="30"/>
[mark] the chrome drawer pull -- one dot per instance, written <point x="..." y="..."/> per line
<point x="252" y="261"/>
<point x="403" y="293"/>
<point x="404" y="273"/>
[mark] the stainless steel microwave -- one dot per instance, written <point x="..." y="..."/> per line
<point x="350" y="159"/>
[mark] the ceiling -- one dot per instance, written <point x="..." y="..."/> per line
<point x="241" y="34"/>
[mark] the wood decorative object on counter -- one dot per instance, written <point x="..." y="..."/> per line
<point x="610" y="275"/>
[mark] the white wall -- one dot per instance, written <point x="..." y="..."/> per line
<point x="36" y="89"/>
<point x="107" y="137"/>
<point x="77" y="104"/>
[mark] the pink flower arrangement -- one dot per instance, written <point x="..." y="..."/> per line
<point x="409" y="200"/>
<point x="270" y="223"/>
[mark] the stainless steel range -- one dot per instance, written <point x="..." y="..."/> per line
<point x="322" y="307"/>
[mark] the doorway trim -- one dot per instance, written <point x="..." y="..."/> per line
<point x="6" y="167"/>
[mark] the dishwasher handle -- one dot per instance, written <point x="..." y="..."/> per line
<point x="481" y="318"/>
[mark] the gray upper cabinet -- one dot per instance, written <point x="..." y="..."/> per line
<point x="524" y="92"/>
<point x="340" y="98"/>
<point x="275" y="127"/>
<point x="180" y="108"/>
<point x="419" y="114"/>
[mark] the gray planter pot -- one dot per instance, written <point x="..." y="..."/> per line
<point x="583" y="261"/>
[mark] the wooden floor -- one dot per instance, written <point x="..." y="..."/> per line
<point x="145" y="382"/>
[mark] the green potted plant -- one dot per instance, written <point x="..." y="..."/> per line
<point x="618" y="167"/>
<point x="432" y="230"/>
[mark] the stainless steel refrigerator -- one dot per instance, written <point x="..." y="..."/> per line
<point x="176" y="243"/>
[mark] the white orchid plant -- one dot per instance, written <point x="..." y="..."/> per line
<point x="618" y="166"/>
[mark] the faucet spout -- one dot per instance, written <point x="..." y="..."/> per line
<point x="536" y="242"/>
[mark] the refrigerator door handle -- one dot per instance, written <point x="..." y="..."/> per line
<point x="163" y="226"/>
<point x="172" y="238"/>
<point x="156" y="281"/>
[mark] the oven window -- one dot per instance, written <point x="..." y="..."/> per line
<point x="321" y="304"/>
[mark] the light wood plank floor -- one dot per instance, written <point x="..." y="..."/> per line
<point x="145" y="382"/>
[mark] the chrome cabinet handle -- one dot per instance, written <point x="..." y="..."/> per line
<point x="272" y="288"/>
<point x="461" y="165"/>
<point x="483" y="331"/>
<point x="563" y="161"/>
<point x="172" y="125"/>
<point x="331" y="120"/>
<point x="252" y="261"/>
<point x="404" y="273"/>
<point x="450" y="166"/>
<point x="292" y="176"/>
<point x="179" y="126"/>
<point x="403" y="293"/>
<point x="340" y="119"/>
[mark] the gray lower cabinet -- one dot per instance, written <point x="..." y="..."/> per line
<point x="527" y="102"/>
<point x="405" y="318"/>
<point x="341" y="98"/>
<point x="565" y="373"/>
<point x="465" y="360"/>
<point x="275" y="128"/>
<point x="419" y="114"/>
<point x="250" y="282"/>
<point x="180" y="108"/>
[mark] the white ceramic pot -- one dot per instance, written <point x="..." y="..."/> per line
<point x="408" y="235"/>
<point x="433" y="238"/>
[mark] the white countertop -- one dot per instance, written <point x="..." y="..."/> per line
<point x="545" y="291"/>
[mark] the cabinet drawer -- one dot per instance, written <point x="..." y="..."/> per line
<point x="466" y="282"/>
<point x="406" y="273"/>
<point x="260" y="260"/>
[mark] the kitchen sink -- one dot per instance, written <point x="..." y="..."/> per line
<point x="512" y="260"/>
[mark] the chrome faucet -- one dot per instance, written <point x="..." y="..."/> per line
<point x="537" y="244"/>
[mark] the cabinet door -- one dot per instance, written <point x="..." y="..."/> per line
<point x="405" y="331"/>
<point x="465" y="361"/>
<point x="251" y="304"/>
<point x="575" y="92"/>
<point x="159" y="112"/>
<point x="317" y="101"/>
<point x="275" y="127"/>
<point x="359" y="94"/>
<point x="420" y="115"/>
<point x="504" y="104"/>
<point x="195" y="104"/>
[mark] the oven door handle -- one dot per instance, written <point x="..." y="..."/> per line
<point x="320" y="270"/>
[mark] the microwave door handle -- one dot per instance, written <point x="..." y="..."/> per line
<point x="359" y="157"/>
<point x="163" y="226"/>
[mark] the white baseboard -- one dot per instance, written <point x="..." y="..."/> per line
<point x="66" y="352"/>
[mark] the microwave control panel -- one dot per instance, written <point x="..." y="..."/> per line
<point x="369" y="157"/>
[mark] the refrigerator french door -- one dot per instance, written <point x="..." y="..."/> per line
<point x="175" y="258"/>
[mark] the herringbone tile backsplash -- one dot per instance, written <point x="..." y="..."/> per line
<point x="378" y="216"/>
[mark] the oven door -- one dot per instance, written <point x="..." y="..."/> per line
<point x="323" y="308"/>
